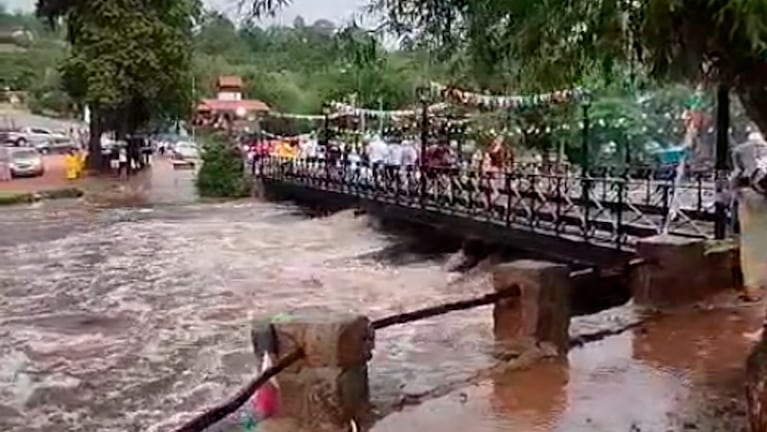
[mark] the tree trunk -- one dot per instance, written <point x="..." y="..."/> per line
<point x="752" y="91"/>
<point x="95" y="160"/>
<point x="756" y="387"/>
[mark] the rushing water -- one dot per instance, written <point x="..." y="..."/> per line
<point x="129" y="319"/>
<point x="133" y="319"/>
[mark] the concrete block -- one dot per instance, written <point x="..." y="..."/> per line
<point x="723" y="266"/>
<point x="541" y="312"/>
<point x="326" y="395"/>
<point x="329" y="387"/>
<point x="676" y="272"/>
<point x="328" y="338"/>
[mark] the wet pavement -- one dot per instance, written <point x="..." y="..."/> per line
<point x="135" y="318"/>
<point x="682" y="372"/>
<point x="54" y="177"/>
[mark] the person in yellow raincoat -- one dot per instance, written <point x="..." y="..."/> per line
<point x="72" y="165"/>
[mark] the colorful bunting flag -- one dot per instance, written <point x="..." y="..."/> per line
<point x="513" y="102"/>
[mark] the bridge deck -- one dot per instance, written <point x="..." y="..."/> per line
<point x="609" y="212"/>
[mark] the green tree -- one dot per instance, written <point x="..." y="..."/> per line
<point x="129" y="60"/>
<point x="296" y="69"/>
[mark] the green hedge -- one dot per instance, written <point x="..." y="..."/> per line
<point x="221" y="174"/>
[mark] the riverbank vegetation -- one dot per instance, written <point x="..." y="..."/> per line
<point x="221" y="174"/>
<point x="12" y="198"/>
<point x="129" y="63"/>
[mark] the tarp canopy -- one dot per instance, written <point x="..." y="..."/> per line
<point x="671" y="155"/>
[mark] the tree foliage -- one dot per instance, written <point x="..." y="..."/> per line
<point x="129" y="60"/>
<point x="221" y="174"/>
<point x="296" y="69"/>
<point x="545" y="44"/>
<point x="30" y="55"/>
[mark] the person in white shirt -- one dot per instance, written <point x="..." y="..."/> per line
<point x="394" y="159"/>
<point x="409" y="154"/>
<point x="308" y="152"/>
<point x="377" y="155"/>
<point x="409" y="160"/>
<point x="122" y="159"/>
<point x="353" y="160"/>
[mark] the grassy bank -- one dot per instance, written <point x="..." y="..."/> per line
<point x="10" y="197"/>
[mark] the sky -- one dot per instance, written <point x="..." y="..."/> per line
<point x="338" y="11"/>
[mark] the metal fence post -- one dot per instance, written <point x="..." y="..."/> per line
<point x="424" y="137"/>
<point x="585" y="182"/>
<point x="722" y="158"/>
<point x="326" y="139"/>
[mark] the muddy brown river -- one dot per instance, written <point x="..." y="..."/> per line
<point x="134" y="319"/>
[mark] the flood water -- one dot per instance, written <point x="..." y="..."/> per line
<point x="134" y="319"/>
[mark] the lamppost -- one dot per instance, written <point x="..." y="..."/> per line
<point x="722" y="158"/>
<point x="326" y="138"/>
<point x="585" y="182"/>
<point x="326" y="124"/>
<point x="422" y="93"/>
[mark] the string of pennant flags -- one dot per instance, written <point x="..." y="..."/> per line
<point x="347" y="109"/>
<point x="312" y="117"/>
<point x="479" y="100"/>
<point x="453" y="95"/>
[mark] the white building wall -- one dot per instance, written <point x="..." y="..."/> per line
<point x="229" y="96"/>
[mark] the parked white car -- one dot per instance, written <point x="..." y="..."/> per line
<point x="44" y="140"/>
<point x="26" y="162"/>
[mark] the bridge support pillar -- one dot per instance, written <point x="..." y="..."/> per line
<point x="678" y="271"/>
<point x="541" y="312"/>
<point x="329" y="386"/>
<point x="257" y="188"/>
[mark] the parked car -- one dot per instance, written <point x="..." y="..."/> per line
<point x="26" y="162"/>
<point x="57" y="145"/>
<point x="40" y="138"/>
<point x="185" y="150"/>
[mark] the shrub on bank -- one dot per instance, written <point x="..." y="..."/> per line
<point x="221" y="174"/>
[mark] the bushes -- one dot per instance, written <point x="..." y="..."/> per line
<point x="221" y="174"/>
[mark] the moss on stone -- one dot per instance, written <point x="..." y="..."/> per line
<point x="10" y="198"/>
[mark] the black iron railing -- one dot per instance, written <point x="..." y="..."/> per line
<point x="609" y="205"/>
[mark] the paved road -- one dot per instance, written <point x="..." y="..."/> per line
<point x="54" y="178"/>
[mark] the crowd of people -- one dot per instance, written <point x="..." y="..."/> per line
<point x="378" y="153"/>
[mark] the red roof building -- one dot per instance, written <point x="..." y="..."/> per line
<point x="229" y="100"/>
